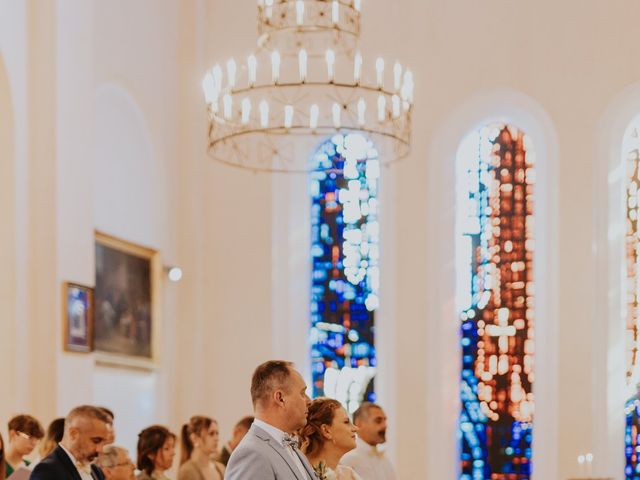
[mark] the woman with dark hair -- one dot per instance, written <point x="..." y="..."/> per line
<point x="156" y="449"/>
<point x="326" y="437"/>
<point x="55" y="431"/>
<point x="199" y="444"/>
<point x="24" y="434"/>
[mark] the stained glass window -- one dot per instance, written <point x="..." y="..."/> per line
<point x="345" y="272"/>
<point x="495" y="294"/>
<point x="632" y="200"/>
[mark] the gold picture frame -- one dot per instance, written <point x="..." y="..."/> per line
<point x="127" y="303"/>
<point x="77" y="303"/>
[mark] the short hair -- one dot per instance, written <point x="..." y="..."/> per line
<point x="363" y="410"/>
<point x="268" y="377"/>
<point x="245" y="422"/>
<point x="108" y="412"/>
<point x="150" y="441"/>
<point x="88" y="411"/>
<point x="322" y="411"/>
<point x="108" y="458"/>
<point x="26" y="424"/>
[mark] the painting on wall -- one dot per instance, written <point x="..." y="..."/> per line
<point x="78" y="317"/>
<point x="125" y="300"/>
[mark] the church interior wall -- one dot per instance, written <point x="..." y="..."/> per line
<point x="103" y="127"/>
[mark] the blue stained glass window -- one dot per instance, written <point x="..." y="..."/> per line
<point x="345" y="271"/>
<point x="495" y="300"/>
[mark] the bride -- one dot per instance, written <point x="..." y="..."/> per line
<point x="328" y="435"/>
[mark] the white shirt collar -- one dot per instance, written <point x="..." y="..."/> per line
<point x="274" y="432"/>
<point x="69" y="454"/>
<point x="370" y="449"/>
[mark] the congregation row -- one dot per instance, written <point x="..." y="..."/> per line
<point x="290" y="437"/>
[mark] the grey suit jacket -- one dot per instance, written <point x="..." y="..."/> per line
<point x="260" y="457"/>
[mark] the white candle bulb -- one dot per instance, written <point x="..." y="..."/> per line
<point x="302" y="64"/>
<point x="275" y="66"/>
<point x="217" y="78"/>
<point x="209" y="87"/>
<point x="227" y="103"/>
<point x="357" y="68"/>
<point x="246" y="110"/>
<point x="231" y="72"/>
<point x="288" y="116"/>
<point x="395" y="106"/>
<point x="357" y="4"/>
<point x="331" y="59"/>
<point x="397" y="76"/>
<point x="299" y="12"/>
<point x="379" y="71"/>
<point x="313" y="116"/>
<point x="269" y="8"/>
<point x="382" y="107"/>
<point x="252" y="67"/>
<point x="264" y="114"/>
<point x="335" y="113"/>
<point x="409" y="80"/>
<point x="335" y="12"/>
<point x="362" y="108"/>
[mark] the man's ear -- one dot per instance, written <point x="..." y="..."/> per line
<point x="278" y="397"/>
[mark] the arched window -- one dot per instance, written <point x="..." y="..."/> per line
<point x="495" y="294"/>
<point x="345" y="273"/>
<point x="631" y="151"/>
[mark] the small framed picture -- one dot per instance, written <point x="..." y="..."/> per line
<point x="78" y="317"/>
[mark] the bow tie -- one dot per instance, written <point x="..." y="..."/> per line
<point x="376" y="453"/>
<point x="84" y="467"/>
<point x="290" y="441"/>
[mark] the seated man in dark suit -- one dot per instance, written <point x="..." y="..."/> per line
<point x="86" y="432"/>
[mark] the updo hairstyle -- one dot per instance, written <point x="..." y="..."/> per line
<point x="321" y="412"/>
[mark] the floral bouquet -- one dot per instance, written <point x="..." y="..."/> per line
<point x="323" y="472"/>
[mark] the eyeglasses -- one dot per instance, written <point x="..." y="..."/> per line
<point x="122" y="464"/>
<point x="26" y="436"/>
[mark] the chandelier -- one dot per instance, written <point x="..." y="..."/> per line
<point x="306" y="81"/>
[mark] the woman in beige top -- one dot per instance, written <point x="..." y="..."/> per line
<point x="326" y="437"/>
<point x="199" y="445"/>
<point x="156" y="449"/>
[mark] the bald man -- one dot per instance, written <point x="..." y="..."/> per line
<point x="86" y="432"/>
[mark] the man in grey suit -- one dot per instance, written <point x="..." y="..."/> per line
<point x="269" y="451"/>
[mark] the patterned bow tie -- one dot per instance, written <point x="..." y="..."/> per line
<point x="290" y="441"/>
<point x="84" y="467"/>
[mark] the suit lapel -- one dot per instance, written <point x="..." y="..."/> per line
<point x="305" y="462"/>
<point x="68" y="464"/>
<point x="279" y="449"/>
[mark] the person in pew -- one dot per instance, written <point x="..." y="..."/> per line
<point x="86" y="432"/>
<point x="199" y="444"/>
<point x="24" y="434"/>
<point x="369" y="462"/>
<point x="115" y="463"/>
<point x="156" y="450"/>
<point x="55" y="431"/>
<point x="3" y="462"/>
<point x="239" y="431"/>
<point x="326" y="437"/>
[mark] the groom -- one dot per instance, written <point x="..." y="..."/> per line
<point x="269" y="451"/>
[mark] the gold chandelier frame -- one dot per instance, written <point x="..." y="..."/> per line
<point x="262" y="117"/>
